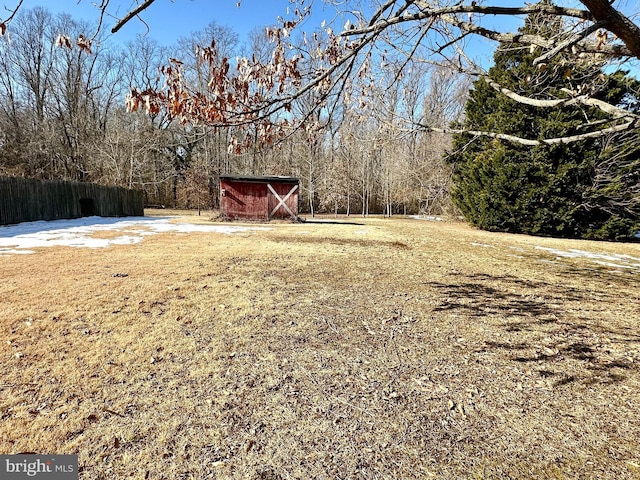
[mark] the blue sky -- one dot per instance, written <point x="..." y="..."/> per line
<point x="168" y="20"/>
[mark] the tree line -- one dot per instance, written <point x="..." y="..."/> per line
<point x="63" y="116"/>
<point x="380" y="115"/>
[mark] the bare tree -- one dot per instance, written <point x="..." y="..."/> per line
<point x="385" y="86"/>
<point x="258" y="91"/>
<point x="418" y="30"/>
<point x="84" y="90"/>
<point x="26" y="67"/>
<point x="616" y="180"/>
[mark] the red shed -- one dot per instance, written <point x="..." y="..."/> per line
<point x="259" y="198"/>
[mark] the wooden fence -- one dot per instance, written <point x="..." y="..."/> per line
<point x="25" y="200"/>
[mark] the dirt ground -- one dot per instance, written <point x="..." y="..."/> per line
<point x="374" y="349"/>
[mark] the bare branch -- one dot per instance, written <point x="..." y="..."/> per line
<point x="13" y="14"/>
<point x="615" y="50"/>
<point x="264" y="90"/>
<point x="121" y="23"/>
<point x="103" y="9"/>
<point x="447" y="15"/>
<point x="616" y="22"/>
<point x="532" y="143"/>
<point x="428" y="12"/>
<point x="612" y="110"/>
<point x="573" y="40"/>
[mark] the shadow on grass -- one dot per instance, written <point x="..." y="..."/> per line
<point x="534" y="307"/>
<point x="478" y="296"/>
<point x="330" y="222"/>
<point x="342" y="242"/>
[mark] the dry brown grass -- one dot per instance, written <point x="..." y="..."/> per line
<point x="395" y="349"/>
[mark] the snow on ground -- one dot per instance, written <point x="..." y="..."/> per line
<point x="430" y="218"/>
<point x="610" y="260"/>
<point x="23" y="237"/>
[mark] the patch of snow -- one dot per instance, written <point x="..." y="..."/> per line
<point x="9" y="251"/>
<point x="548" y="261"/>
<point x="126" y="240"/>
<point x="22" y="237"/>
<point x="575" y="253"/>
<point x="426" y="217"/>
<point x="615" y="265"/>
<point x="611" y="260"/>
<point x="361" y="232"/>
<point x="484" y="245"/>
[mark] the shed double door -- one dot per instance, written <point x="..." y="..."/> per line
<point x="282" y="200"/>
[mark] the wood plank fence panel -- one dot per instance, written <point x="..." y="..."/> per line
<point x="25" y="200"/>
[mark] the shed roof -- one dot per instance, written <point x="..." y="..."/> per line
<point x="262" y="179"/>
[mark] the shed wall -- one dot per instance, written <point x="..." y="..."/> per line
<point x="252" y="199"/>
<point x="244" y="200"/>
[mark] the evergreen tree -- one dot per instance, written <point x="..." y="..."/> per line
<point x="503" y="185"/>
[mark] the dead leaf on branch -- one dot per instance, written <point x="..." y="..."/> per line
<point x="84" y="44"/>
<point x="63" y="41"/>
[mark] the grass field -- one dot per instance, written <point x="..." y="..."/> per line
<point x="393" y="349"/>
